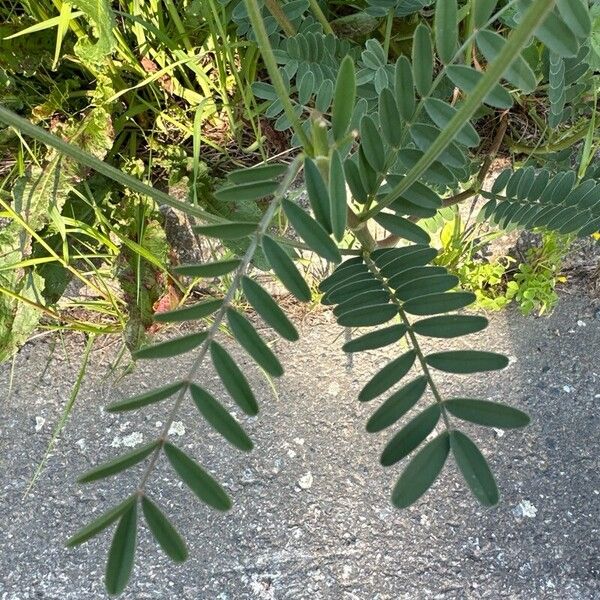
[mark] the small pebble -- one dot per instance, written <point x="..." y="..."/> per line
<point x="580" y="323"/>
<point x="177" y="428"/>
<point x="305" y="482"/>
<point x="39" y="423"/>
<point x="525" y="509"/>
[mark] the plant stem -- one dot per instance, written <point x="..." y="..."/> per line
<point x="320" y="16"/>
<point x="280" y="17"/>
<point x="517" y="40"/>
<point x="388" y="32"/>
<point x="220" y="315"/>
<point x="266" y="51"/>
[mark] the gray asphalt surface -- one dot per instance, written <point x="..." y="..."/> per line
<point x="312" y="517"/>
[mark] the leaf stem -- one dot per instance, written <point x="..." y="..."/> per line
<point x="320" y="16"/>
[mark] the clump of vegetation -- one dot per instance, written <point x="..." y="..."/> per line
<point x="392" y="110"/>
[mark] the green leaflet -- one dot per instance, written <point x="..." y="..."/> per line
<point x="421" y="472"/>
<point x="474" y="468"/>
<point x="249" y="339"/>
<point x="227" y="231"/>
<point x="343" y="99"/>
<point x="432" y="304"/>
<point x="391" y="374"/>
<point x="422" y="59"/>
<point x="311" y="232"/>
<point x="424" y="135"/>
<point x="233" y="379"/>
<point x="450" y="326"/>
<point x="366" y="299"/>
<point x="441" y="113"/>
<point x="466" y="361"/>
<point x="357" y="285"/>
<point x="254" y="190"/>
<point x="164" y="533"/>
<point x="372" y="145"/>
<point x="411" y="435"/>
<point x="466" y="78"/>
<point x="404" y="88"/>
<point x="403" y="228"/>
<point x="446" y="29"/>
<point x="483" y="11"/>
<point x="268" y="309"/>
<point x="347" y="269"/>
<point x="337" y="196"/>
<point x="368" y="316"/>
<point x="220" y="419"/>
<point x="146" y="398"/>
<point x="398" y="404"/>
<point x="197" y="479"/>
<point x="576" y="15"/>
<point x="170" y="348"/>
<point x="389" y="118"/>
<point x="119" y="464"/>
<point x="101" y="523"/>
<point x="260" y="173"/>
<point x="318" y="195"/>
<point x="376" y="339"/>
<point x="519" y="73"/>
<point x="484" y="412"/>
<point x="209" y="269"/>
<point x="426" y="285"/>
<point x="122" y="551"/>
<point x="285" y="269"/>
<point x="354" y="181"/>
<point x="413" y="273"/>
<point x="412" y="258"/>
<point x="187" y="313"/>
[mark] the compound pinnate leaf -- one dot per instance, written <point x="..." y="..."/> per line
<point x="343" y="99"/>
<point x="163" y="531"/>
<point x="197" y="479"/>
<point x="376" y="339"/>
<point x="311" y="232"/>
<point x="122" y="552"/>
<point x="170" y="348"/>
<point x="233" y="379"/>
<point x="150" y="397"/>
<point x="119" y="464"/>
<point x="449" y="326"/>
<point x="421" y="472"/>
<point x="101" y="523"/>
<point x="187" y="313"/>
<point x="249" y="339"/>
<point x="227" y="231"/>
<point x="208" y="269"/>
<point x="474" y="468"/>
<point x="490" y="414"/>
<point x="466" y="361"/>
<point x="391" y="374"/>
<point x="397" y="405"/>
<point x="411" y="435"/>
<point x="220" y="419"/>
<point x="253" y="190"/>
<point x="432" y="304"/>
<point x="268" y="309"/>
<point x="285" y="269"/>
